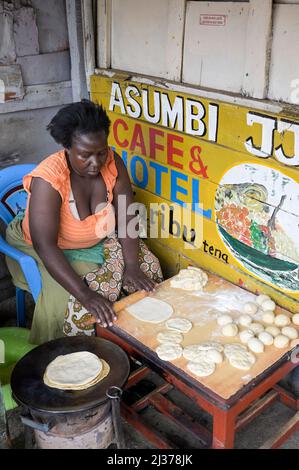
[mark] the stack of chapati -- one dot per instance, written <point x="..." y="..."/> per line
<point x="76" y="371"/>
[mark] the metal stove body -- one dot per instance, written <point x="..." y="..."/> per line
<point x="88" y="419"/>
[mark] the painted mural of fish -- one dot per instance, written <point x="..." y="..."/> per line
<point x="251" y="195"/>
<point x="244" y="215"/>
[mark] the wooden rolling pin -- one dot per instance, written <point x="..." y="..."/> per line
<point x="123" y="303"/>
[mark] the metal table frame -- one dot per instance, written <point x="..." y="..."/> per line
<point x="229" y="416"/>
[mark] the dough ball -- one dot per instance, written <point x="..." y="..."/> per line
<point x="242" y="359"/>
<point x="250" y="308"/>
<point x="170" y="337"/>
<point x="224" y="320"/>
<point x="256" y="328"/>
<point x="169" y="352"/>
<point x="190" y="279"/>
<point x="201" y="369"/>
<point x="246" y="335"/>
<point x="282" y="320"/>
<point x="268" y="317"/>
<point x="281" y="341"/>
<point x="182" y="325"/>
<point x="230" y="330"/>
<point x="273" y="330"/>
<point x="214" y="356"/>
<point x="245" y="320"/>
<point x="266" y="338"/>
<point x="290" y="332"/>
<point x="255" y="345"/>
<point x="262" y="298"/>
<point x="268" y="305"/>
<point x="295" y="319"/>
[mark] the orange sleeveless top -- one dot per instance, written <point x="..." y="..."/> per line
<point x="74" y="233"/>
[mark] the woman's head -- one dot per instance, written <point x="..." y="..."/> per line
<point x="82" y="129"/>
<point x="76" y="119"/>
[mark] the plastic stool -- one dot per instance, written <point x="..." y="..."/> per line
<point x="16" y="345"/>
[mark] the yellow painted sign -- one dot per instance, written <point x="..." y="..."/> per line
<point x="223" y="180"/>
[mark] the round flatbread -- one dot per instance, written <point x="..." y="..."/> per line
<point x="103" y="374"/>
<point x="150" y="310"/>
<point x="242" y="359"/>
<point x="201" y="369"/>
<point x="179" y="324"/>
<point x="231" y="348"/>
<point x="194" y="354"/>
<point x="78" y="368"/>
<point x="170" y="337"/>
<point x="210" y="345"/>
<point x="169" y="352"/>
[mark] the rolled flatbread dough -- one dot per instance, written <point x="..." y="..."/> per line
<point x="210" y="345"/>
<point x="181" y="325"/>
<point x="242" y="359"/>
<point x="170" y="337"/>
<point x="201" y="369"/>
<point x="193" y="354"/>
<point x="150" y="310"/>
<point x="231" y="348"/>
<point x="169" y="352"/>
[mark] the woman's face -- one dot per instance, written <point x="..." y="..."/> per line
<point x="88" y="153"/>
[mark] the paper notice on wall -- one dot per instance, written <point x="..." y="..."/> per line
<point x="212" y="20"/>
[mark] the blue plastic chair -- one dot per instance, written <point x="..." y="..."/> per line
<point x="13" y="199"/>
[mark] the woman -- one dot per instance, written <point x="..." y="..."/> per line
<point x="76" y="198"/>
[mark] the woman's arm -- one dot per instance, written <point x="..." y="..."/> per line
<point x="44" y="217"/>
<point x="133" y="276"/>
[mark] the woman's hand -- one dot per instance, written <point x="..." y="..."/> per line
<point x="134" y="279"/>
<point x="100" y="308"/>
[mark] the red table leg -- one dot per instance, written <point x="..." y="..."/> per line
<point x="223" y="429"/>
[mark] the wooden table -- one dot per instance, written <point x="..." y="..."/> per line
<point x="231" y="396"/>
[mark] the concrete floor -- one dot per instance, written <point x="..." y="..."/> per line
<point x="251" y="437"/>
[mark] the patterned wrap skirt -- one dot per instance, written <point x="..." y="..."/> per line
<point x="107" y="281"/>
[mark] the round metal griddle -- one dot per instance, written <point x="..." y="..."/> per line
<point x="30" y="391"/>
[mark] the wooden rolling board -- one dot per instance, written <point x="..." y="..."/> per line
<point x="219" y="296"/>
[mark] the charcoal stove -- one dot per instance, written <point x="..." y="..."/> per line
<point x="70" y="419"/>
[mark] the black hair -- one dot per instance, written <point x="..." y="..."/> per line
<point x="83" y="117"/>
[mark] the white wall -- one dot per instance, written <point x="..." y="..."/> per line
<point x="213" y="58"/>
<point x="46" y="72"/>
<point x="284" y="68"/>
<point x="253" y="53"/>
<point x="52" y="25"/>
<point x="147" y="37"/>
<point x="23" y="136"/>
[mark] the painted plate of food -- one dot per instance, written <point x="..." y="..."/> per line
<point x="257" y="215"/>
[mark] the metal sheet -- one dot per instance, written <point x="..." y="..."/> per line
<point x="30" y="391"/>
